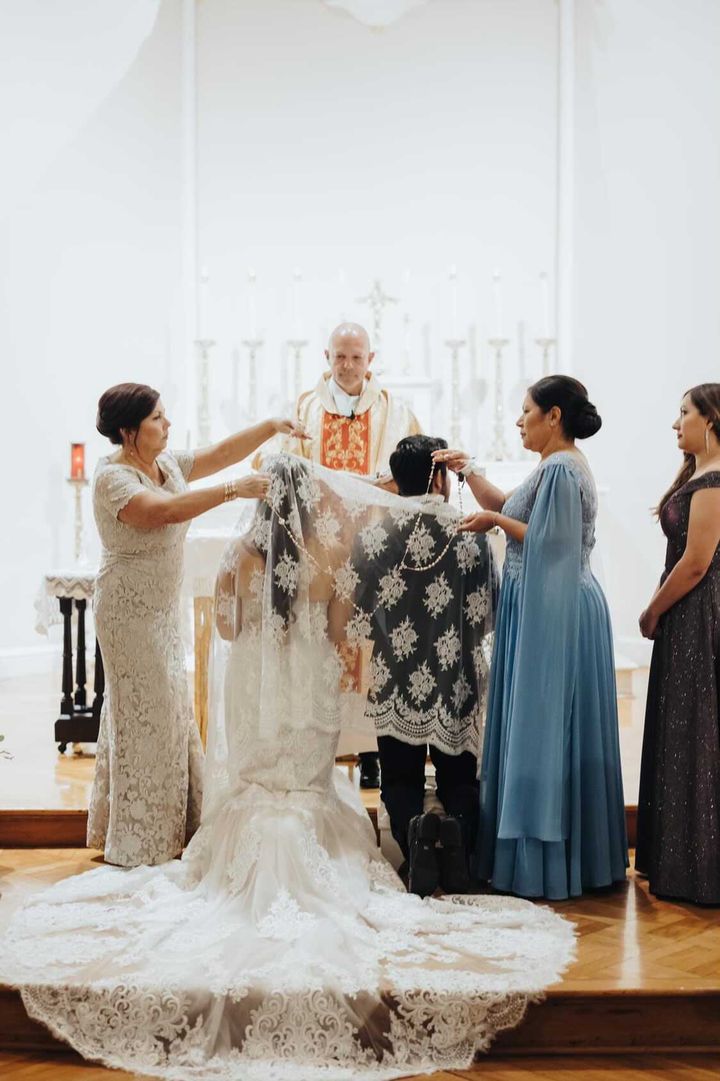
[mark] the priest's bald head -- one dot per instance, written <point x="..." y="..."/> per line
<point x="349" y="356"/>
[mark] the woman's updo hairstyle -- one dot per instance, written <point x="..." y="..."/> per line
<point x="578" y="416"/>
<point x="124" y="406"/>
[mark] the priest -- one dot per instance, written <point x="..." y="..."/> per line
<point x="354" y="424"/>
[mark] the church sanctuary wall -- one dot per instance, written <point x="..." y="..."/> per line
<point x="647" y="257"/>
<point x="356" y="154"/>
<point x="348" y="152"/>
<point x="89" y="269"/>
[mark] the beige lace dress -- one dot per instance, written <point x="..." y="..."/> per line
<point x="147" y="792"/>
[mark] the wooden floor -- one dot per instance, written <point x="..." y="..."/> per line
<point x="647" y="972"/>
<point x="628" y="940"/>
<point x="38" y="778"/>
<point x="44" y="795"/>
<point x="605" y="1068"/>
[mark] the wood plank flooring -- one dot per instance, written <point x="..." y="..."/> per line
<point x="24" y="1067"/>
<point x="645" y="982"/>
<point x="38" y="778"/>
<point x="628" y="940"/>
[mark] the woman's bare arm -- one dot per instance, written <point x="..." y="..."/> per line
<point x="691" y="568"/>
<point x="235" y="448"/>
<point x="488" y="495"/>
<point x="153" y="510"/>
<point x="485" y="520"/>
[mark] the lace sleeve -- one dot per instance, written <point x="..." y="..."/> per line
<point x="115" y="487"/>
<point x="185" y="460"/>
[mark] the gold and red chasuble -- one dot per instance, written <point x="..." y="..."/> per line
<point x="361" y="444"/>
<point x="345" y="442"/>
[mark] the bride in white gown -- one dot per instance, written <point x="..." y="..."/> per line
<point x="282" y="946"/>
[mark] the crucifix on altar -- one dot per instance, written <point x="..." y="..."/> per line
<point x="377" y="300"/>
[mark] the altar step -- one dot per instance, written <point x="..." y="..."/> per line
<point x="566" y="1023"/>
<point x="646" y="976"/>
<point x="67" y="829"/>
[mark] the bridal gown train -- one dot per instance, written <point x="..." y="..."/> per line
<point x="282" y="946"/>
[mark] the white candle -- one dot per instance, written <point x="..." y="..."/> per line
<point x="545" y="301"/>
<point x="235" y="376"/>
<point x="297" y="278"/>
<point x="203" y="289"/>
<point x="252" y="301"/>
<point x="341" y="294"/>
<point x="252" y="386"/>
<point x="497" y="299"/>
<point x="521" y="350"/>
<point x="453" y="302"/>
<point x="406" y="344"/>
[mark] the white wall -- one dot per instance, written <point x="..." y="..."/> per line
<point x="89" y="267"/>
<point x="356" y="154"/>
<point x="647" y="257"/>
<point x="322" y="144"/>
<point x="332" y="147"/>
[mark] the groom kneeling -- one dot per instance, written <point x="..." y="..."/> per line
<point x="430" y="595"/>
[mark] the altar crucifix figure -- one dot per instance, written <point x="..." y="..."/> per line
<point x="354" y="425"/>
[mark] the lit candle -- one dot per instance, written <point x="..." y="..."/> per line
<point x="545" y="301"/>
<point x="252" y="311"/>
<point x="497" y="298"/>
<point x="77" y="461"/>
<point x="453" y="301"/>
<point x="297" y="278"/>
<point x="202" y="303"/>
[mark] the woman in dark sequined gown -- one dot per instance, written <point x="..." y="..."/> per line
<point x="678" y="844"/>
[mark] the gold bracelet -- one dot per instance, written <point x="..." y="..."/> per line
<point x="231" y="491"/>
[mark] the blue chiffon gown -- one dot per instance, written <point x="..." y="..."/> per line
<point x="552" y="813"/>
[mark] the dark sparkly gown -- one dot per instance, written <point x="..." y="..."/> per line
<point x="678" y="842"/>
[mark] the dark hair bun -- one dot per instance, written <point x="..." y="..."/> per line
<point x="585" y="423"/>
<point x="124" y="406"/>
<point x="579" y="417"/>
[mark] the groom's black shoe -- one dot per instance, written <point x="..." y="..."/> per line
<point x="452" y="857"/>
<point x="369" y="769"/>
<point x="424" y="873"/>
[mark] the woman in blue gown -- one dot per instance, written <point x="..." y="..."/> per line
<point x="552" y="807"/>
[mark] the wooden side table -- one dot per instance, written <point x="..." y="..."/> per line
<point x="78" y="722"/>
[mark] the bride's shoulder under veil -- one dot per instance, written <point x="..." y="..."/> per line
<point x="283" y="947"/>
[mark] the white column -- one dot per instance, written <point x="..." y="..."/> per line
<point x="190" y="294"/>
<point x="564" y="298"/>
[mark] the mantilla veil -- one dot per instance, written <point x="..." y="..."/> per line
<point x="282" y="946"/>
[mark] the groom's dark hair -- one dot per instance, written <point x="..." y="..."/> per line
<point x="411" y="463"/>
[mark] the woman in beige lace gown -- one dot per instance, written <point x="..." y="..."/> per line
<point x="146" y="795"/>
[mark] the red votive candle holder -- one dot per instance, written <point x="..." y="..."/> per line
<point x="77" y="461"/>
